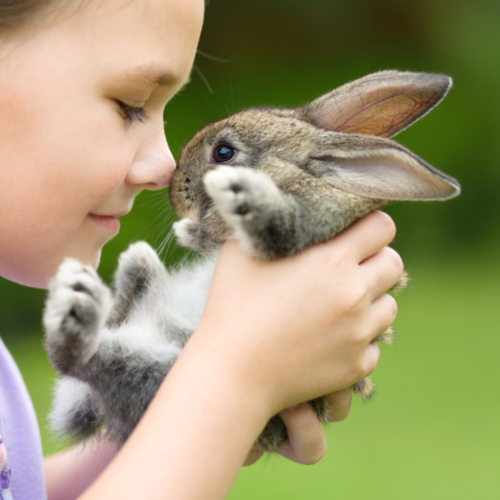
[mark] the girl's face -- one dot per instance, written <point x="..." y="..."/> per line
<point x="81" y="126"/>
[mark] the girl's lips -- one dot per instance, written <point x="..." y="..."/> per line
<point x="109" y="222"/>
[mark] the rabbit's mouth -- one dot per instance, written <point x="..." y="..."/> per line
<point x="184" y="206"/>
<point x="181" y="197"/>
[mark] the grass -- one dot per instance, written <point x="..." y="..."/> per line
<point x="432" y="430"/>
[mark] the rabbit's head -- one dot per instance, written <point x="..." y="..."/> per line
<point x="342" y="137"/>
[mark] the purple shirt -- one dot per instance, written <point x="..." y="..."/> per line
<point x="20" y="434"/>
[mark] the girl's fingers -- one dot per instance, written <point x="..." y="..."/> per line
<point x="368" y="235"/>
<point x="306" y="441"/>
<point x="382" y="271"/>
<point x="339" y="403"/>
<point x="372" y="355"/>
<point x="382" y="313"/>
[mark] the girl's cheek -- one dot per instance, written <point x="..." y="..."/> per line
<point x="106" y="169"/>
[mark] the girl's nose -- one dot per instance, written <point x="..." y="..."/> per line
<point x="153" y="165"/>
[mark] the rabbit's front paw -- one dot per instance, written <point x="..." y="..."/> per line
<point x="252" y="205"/>
<point x="241" y="193"/>
<point x="77" y="307"/>
<point x="138" y="266"/>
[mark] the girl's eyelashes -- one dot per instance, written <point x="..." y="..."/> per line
<point x="132" y="113"/>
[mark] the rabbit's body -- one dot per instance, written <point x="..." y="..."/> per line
<point x="134" y="338"/>
<point x="277" y="180"/>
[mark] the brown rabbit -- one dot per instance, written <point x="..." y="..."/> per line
<point x="279" y="181"/>
<point x="282" y="180"/>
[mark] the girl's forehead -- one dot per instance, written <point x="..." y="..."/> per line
<point x="149" y="18"/>
<point x="112" y="36"/>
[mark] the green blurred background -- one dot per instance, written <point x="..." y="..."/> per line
<point x="432" y="430"/>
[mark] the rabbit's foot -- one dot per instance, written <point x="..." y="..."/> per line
<point x="386" y="337"/>
<point x="402" y="283"/>
<point x="364" y="388"/>
<point x="138" y="266"/>
<point x="191" y="234"/>
<point x="272" y="437"/>
<point x="253" y="206"/>
<point x="275" y="432"/>
<point x="75" y="413"/>
<point x="77" y="307"/>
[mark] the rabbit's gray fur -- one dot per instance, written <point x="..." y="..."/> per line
<point x="287" y="179"/>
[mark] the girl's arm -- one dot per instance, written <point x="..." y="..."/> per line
<point x="70" y="472"/>
<point x="273" y="334"/>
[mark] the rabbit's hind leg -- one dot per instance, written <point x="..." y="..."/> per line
<point x="364" y="388"/>
<point x="77" y="308"/>
<point x="402" y="283"/>
<point x="251" y="203"/>
<point x="75" y="412"/>
<point x="127" y="379"/>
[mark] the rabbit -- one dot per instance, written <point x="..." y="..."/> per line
<point x="277" y="180"/>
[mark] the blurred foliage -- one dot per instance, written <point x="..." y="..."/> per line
<point x="287" y="52"/>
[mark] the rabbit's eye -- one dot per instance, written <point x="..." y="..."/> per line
<point x="223" y="153"/>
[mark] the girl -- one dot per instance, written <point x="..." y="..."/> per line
<point x="83" y="86"/>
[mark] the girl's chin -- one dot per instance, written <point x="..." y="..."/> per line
<point x="90" y="256"/>
<point x="36" y="266"/>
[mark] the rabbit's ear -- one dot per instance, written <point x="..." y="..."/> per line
<point x="380" y="104"/>
<point x="379" y="168"/>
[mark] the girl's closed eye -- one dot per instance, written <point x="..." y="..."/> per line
<point x="132" y="113"/>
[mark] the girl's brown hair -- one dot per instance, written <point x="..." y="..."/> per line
<point x="16" y="13"/>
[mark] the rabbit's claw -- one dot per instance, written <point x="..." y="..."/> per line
<point x="77" y="307"/>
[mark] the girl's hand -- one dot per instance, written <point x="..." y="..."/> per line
<point x="364" y="310"/>
<point x="297" y="328"/>
<point x="306" y="441"/>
